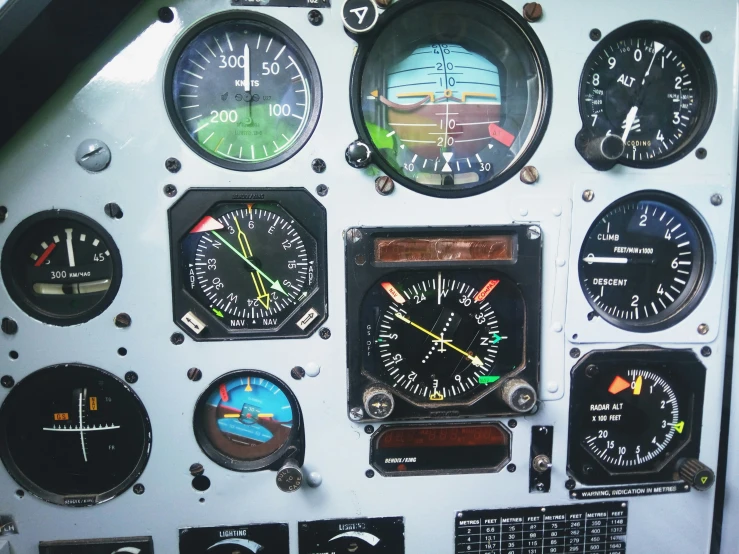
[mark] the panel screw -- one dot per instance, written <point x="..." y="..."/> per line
<point x="354" y="235"/>
<point x="587" y="469"/>
<point x="529" y="174"/>
<point x="588" y="195"/>
<point x="369" y="429"/>
<point x="297" y="373"/>
<point x="575" y="353"/>
<point x="93" y="155"/>
<point x="173" y="165"/>
<point x="122" y="320"/>
<point x="9" y="326"/>
<point x="702" y="329"/>
<point x="384" y="185"/>
<point x="569" y="484"/>
<point x="131" y="377"/>
<point x="369" y="473"/>
<point x="318" y="165"/>
<point x="7" y="381"/>
<point x="170" y="190"/>
<point x="315" y="17"/>
<point x="717" y="199"/>
<point x="511" y="468"/>
<point x="3" y="213"/>
<point x="512" y="423"/>
<point x="360" y="260"/>
<point x="533" y="233"/>
<point x="325" y="333"/>
<point x="321" y="190"/>
<point x="595" y="35"/>
<point x="706" y="37"/>
<point x="706" y="351"/>
<point x="355" y="414"/>
<point x="165" y="15"/>
<point x="196" y="469"/>
<point x="177" y="338"/>
<point x="701" y="153"/>
<point x="138" y="488"/>
<point x="113" y="210"/>
<point x="532" y="11"/>
<point x="591" y="370"/>
<point x="540" y="487"/>
<point x="194" y="374"/>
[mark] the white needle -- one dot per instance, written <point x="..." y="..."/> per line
<point x="630" y="118"/>
<point x="657" y="48"/>
<point x="70" y="247"/>
<point x="438" y="288"/>
<point x="247" y="69"/>
<point x="82" y="431"/>
<point x="603" y="260"/>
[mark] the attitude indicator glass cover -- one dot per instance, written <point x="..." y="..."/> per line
<point x="451" y="97"/>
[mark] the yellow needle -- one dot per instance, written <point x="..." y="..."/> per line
<point x="265" y="415"/>
<point x="262" y="294"/>
<point x="474" y="359"/>
<point x="248" y="385"/>
<point x="231" y="416"/>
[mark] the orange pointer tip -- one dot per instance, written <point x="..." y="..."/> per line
<point x="619" y="384"/>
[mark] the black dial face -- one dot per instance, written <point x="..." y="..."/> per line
<point x="246" y="419"/>
<point x="443" y="337"/>
<point x="645" y="262"/>
<point x="651" y="91"/>
<point x="243" y="91"/>
<point x="251" y="265"/>
<point x="451" y="101"/>
<point x="61" y="267"/>
<point x="74" y="435"/>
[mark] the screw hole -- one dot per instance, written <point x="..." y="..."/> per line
<point x="113" y="210"/>
<point x="122" y="351"/>
<point x="13" y="355"/>
<point x="20" y="493"/>
<point x="166" y="15"/>
<point x="3" y="213"/>
<point x="201" y="483"/>
<point x="701" y="153"/>
<point x="202" y="500"/>
<point x="574" y="337"/>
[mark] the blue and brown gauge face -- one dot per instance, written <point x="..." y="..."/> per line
<point x="245" y="417"/>
<point x="74" y="435"/>
<point x="244" y="91"/>
<point x="443" y="337"/>
<point x="451" y="111"/>
<point x="61" y="267"/>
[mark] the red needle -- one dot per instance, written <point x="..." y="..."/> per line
<point x="45" y="255"/>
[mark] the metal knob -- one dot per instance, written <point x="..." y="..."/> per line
<point x="612" y="147"/>
<point x="696" y="474"/>
<point x="519" y="395"/>
<point x="541" y="463"/>
<point x="378" y="402"/>
<point x="289" y="477"/>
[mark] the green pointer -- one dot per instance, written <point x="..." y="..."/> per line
<point x="272" y="284"/>
<point x="497" y="338"/>
<point x="218" y="312"/>
<point x="488" y="379"/>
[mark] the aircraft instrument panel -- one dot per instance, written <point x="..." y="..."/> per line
<point x="373" y="277"/>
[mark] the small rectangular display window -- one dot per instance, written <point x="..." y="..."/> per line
<point x="445" y="249"/>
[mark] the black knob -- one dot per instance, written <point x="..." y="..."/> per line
<point x="519" y="395"/>
<point x="358" y="154"/>
<point x="289" y="477"/>
<point x="696" y="474"/>
<point x="9" y="326"/>
<point x="612" y="147"/>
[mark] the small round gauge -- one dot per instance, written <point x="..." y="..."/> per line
<point x="61" y="267"/>
<point x="645" y="262"/>
<point x="247" y="420"/>
<point x="243" y="91"/>
<point x="443" y="337"/>
<point x="452" y="102"/>
<point x="74" y="435"/>
<point x="647" y="96"/>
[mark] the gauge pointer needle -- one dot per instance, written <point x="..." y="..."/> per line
<point x="590" y="259"/>
<point x="657" y="49"/>
<point x="476" y="361"/>
<point x="273" y="284"/>
<point x="247" y="69"/>
<point x="630" y="118"/>
<point x="262" y="295"/>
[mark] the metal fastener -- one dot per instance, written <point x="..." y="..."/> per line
<point x="7" y="381"/>
<point x="588" y="195"/>
<point x="177" y="338"/>
<point x="9" y="326"/>
<point x="533" y="233"/>
<point x="701" y="153"/>
<point x="570" y="484"/>
<point x="702" y="329"/>
<point x="170" y="190"/>
<point x="595" y="34"/>
<point x="354" y="235"/>
<point x="315" y="17"/>
<point x="196" y="469"/>
<point x="529" y="175"/>
<point x="138" y="488"/>
<point x="3" y="213"/>
<point x="93" y="155"/>
<point x="297" y="373"/>
<point x="706" y="351"/>
<point x="575" y="353"/>
<point x="324" y="333"/>
<point x="318" y="165"/>
<point x="113" y="210"/>
<point x="706" y="37"/>
<point x="369" y="429"/>
<point x="355" y="414"/>
<point x="165" y="15"/>
<point x="321" y="190"/>
<point x="131" y="377"/>
<point x="532" y="11"/>
<point x="369" y="473"/>
<point x="717" y="199"/>
<point x="122" y="320"/>
<point x="384" y="185"/>
<point x="173" y="165"/>
<point x="511" y="468"/>
<point x="194" y="374"/>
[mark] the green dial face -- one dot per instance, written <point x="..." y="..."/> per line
<point x="244" y="93"/>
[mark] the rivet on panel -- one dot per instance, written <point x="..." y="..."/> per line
<point x="717" y="199"/>
<point x="703" y="329"/>
<point x="557" y="327"/>
<point x="312" y="369"/>
<point x="529" y="175"/>
<point x="552" y="387"/>
<point x="561" y="262"/>
<point x="588" y="195"/>
<point x="556" y="211"/>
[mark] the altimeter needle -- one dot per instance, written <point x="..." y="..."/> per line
<point x="476" y="361"/>
<point x="276" y="285"/>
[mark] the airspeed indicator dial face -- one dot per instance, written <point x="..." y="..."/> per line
<point x="645" y="262"/>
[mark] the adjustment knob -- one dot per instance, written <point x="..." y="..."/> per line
<point x="697" y="474"/>
<point x="358" y="154"/>
<point x="289" y="477"/>
<point x="378" y="402"/>
<point x="612" y="147"/>
<point x="519" y="395"/>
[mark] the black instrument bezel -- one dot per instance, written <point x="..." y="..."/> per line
<point x="524" y="271"/>
<point x="195" y="204"/>
<point x="366" y="41"/>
